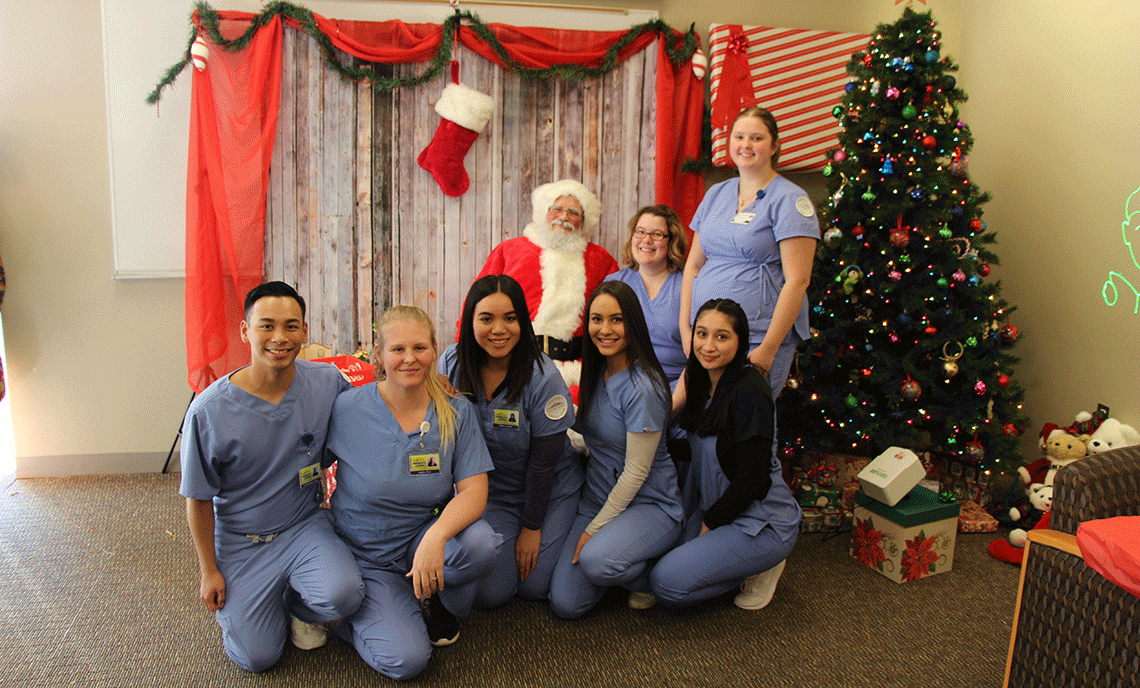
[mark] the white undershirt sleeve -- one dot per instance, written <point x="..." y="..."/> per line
<point x="640" y="449"/>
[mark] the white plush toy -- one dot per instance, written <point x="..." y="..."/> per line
<point x="1112" y="434"/>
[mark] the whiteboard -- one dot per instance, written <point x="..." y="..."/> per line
<point x="148" y="144"/>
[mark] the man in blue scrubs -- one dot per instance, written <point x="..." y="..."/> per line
<point x="251" y="475"/>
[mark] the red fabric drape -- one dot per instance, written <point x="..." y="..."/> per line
<point x="234" y="118"/>
<point x="233" y="121"/>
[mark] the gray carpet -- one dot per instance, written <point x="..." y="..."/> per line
<point x="98" y="587"/>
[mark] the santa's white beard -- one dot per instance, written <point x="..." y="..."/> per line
<point x="562" y="267"/>
<point x="556" y="239"/>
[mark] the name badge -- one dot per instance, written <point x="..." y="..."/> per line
<point x="506" y="418"/>
<point x="309" y="473"/>
<point x="423" y="464"/>
<point x="743" y="218"/>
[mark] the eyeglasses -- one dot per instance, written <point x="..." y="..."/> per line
<point x="657" y="234"/>
<point x="572" y="213"/>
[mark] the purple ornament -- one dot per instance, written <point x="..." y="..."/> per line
<point x="840" y="155"/>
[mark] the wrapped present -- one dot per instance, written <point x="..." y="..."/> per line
<point x="812" y="520"/>
<point x="356" y="371"/>
<point x="911" y="540"/>
<point x="847" y="494"/>
<point x="797" y="74"/>
<point x="975" y="519"/>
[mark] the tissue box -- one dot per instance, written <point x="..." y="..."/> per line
<point x="892" y="475"/>
<point x="911" y="540"/>
<point x="357" y="372"/>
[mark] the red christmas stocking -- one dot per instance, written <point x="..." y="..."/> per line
<point x="465" y="113"/>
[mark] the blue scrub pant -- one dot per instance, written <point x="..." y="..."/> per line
<point x="305" y="568"/>
<point x="388" y="631"/>
<point x="618" y="554"/>
<point x="716" y="562"/>
<point x="503" y="582"/>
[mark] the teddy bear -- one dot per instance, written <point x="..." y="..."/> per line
<point x="1012" y="550"/>
<point x="1112" y="434"/>
<point x="1061" y="448"/>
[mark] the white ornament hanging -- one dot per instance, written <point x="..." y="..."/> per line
<point x="199" y="53"/>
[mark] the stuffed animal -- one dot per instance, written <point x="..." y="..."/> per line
<point x="1112" y="434"/>
<point x="1012" y="550"/>
<point x="1061" y="449"/>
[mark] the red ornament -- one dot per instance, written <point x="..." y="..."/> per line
<point x="931" y="330"/>
<point x="866" y="372"/>
<point x="1010" y="429"/>
<point x="1009" y="334"/>
<point x="900" y="238"/>
<point x="1003" y="381"/>
<point x="976" y="225"/>
<point x="857" y="231"/>
<point x="984" y="270"/>
<point x="867" y="59"/>
<point x="929" y="141"/>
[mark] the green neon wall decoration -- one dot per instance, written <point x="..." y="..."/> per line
<point x="1131" y="214"/>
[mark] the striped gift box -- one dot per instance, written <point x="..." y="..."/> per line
<point x="796" y="74"/>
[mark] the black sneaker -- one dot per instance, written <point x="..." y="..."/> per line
<point x="442" y="625"/>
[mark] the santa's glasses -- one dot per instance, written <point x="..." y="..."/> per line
<point x="572" y="213"/>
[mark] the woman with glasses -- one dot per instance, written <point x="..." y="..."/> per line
<point x="655" y="254"/>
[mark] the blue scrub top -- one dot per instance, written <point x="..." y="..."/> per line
<point x="389" y="481"/>
<point x="661" y="317"/>
<point x="778" y="509"/>
<point x="628" y="402"/>
<point x="743" y="260"/>
<point x="259" y="462"/>
<point x="543" y="409"/>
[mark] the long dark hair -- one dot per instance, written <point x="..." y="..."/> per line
<point x="694" y="417"/>
<point x="638" y="350"/>
<point x="467" y="376"/>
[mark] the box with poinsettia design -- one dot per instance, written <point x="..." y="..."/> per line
<point x="911" y="540"/>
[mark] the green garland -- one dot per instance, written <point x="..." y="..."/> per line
<point x="678" y="51"/>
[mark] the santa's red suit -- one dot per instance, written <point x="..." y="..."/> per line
<point x="557" y="271"/>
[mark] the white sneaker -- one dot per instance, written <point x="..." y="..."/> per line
<point x="641" y="600"/>
<point x="308" y="636"/>
<point x="757" y="591"/>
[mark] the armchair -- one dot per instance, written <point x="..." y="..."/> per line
<point x="1071" y="626"/>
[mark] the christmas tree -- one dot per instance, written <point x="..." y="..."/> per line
<point x="910" y="343"/>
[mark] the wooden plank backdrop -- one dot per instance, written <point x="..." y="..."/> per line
<point x="357" y="225"/>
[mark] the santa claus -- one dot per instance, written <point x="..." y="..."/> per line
<point x="557" y="267"/>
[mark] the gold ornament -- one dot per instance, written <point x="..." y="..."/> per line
<point x="950" y="365"/>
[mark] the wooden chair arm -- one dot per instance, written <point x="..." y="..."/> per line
<point x="1055" y="539"/>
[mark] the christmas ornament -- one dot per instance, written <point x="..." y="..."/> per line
<point x="894" y="338"/>
<point x="909" y="112"/>
<point x="975" y="452"/>
<point x="793" y="383"/>
<point x="464" y="112"/>
<point x="904" y="259"/>
<point x="887" y="167"/>
<point x="700" y="64"/>
<point x="971" y="341"/>
<point x="943" y="282"/>
<point x="929" y="141"/>
<point x="904" y="319"/>
<point x="984" y="270"/>
<point x="931" y="330"/>
<point x="900" y="237"/>
<point x="945" y="233"/>
<point x="827" y="170"/>
<point x="868" y="195"/>
<point x="929" y="91"/>
<point x="849" y="87"/>
<point x="840" y="155"/>
<point x="980" y="388"/>
<point x="911" y="390"/>
<point x="958" y="276"/>
<point x="867" y="60"/>
<point x="892" y="93"/>
<point x="857" y="231"/>
<point x="199" y="53"/>
<point x="1010" y="429"/>
<point x="894" y="275"/>
<point x="850" y="401"/>
<point x="1003" y="381"/>
<point x="837" y="111"/>
<point x="850" y="277"/>
<point x="916" y="193"/>
<point x="1009" y="334"/>
<point x="950" y="362"/>
<point x="875" y="86"/>
<point x="977" y="225"/>
<point x="931" y="56"/>
<point x="832" y="237"/>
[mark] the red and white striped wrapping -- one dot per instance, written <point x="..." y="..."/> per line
<point x="796" y="74"/>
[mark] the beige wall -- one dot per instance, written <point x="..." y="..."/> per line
<point x="97" y="366"/>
